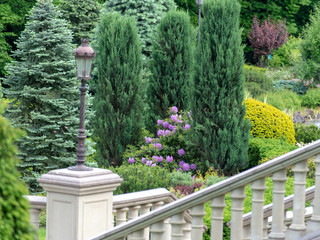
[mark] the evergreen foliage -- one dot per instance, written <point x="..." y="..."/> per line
<point x="310" y="67"/>
<point x="221" y="132"/>
<point x="42" y="86"/>
<point x="14" y="208"/>
<point x="170" y="66"/>
<point x="82" y="17"/>
<point x="147" y="14"/>
<point x="118" y="100"/>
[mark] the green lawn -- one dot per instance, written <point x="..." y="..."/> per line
<point x="42" y="233"/>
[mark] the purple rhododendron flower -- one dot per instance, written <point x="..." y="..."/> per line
<point x="131" y="160"/>
<point x="169" y="159"/>
<point x="153" y="165"/>
<point x="165" y="124"/>
<point x="186" y="167"/>
<point x="193" y="166"/>
<point x="187" y="126"/>
<point x="148" y="139"/>
<point x="149" y="163"/>
<point x="143" y="160"/>
<point x="160" y="159"/>
<point x="160" y="132"/>
<point x="155" y="158"/>
<point x="181" y="152"/>
<point x="167" y="132"/>
<point x="174" y="118"/>
<point x="157" y="145"/>
<point x="181" y="163"/>
<point x="174" y="109"/>
<point x="159" y="122"/>
<point x="171" y="127"/>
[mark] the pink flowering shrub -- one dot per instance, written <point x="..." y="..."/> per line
<point x="171" y="149"/>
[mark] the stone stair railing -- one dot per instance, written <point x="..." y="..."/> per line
<point x="156" y="220"/>
<point x="125" y="206"/>
<point x="267" y="212"/>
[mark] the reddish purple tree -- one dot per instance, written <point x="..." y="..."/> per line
<point x="268" y="36"/>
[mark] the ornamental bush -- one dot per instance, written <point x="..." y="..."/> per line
<point x="312" y="98"/>
<point x="14" y="208"/>
<point x="256" y="80"/>
<point x="269" y="122"/>
<point x="306" y="133"/>
<point x="171" y="149"/>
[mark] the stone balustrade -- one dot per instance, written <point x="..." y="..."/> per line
<point x="173" y="229"/>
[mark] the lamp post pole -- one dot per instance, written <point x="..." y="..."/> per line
<point x="199" y="3"/>
<point x="84" y="56"/>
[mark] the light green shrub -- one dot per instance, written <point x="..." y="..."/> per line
<point x="282" y="100"/>
<point x="268" y="121"/>
<point x="312" y="98"/>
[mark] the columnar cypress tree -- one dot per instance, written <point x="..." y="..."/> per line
<point x="217" y="104"/>
<point x="14" y="208"/>
<point x="146" y="13"/>
<point x="43" y="90"/>
<point x="170" y="66"/>
<point x="117" y="101"/>
<point x="82" y="17"/>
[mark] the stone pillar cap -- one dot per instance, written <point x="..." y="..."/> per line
<point x="80" y="179"/>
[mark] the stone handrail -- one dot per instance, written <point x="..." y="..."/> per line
<point x="236" y="184"/>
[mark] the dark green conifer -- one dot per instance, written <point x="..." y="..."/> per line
<point x="42" y="87"/>
<point x="14" y="208"/>
<point x="82" y="17"/>
<point x="170" y="66"/>
<point x="147" y="15"/>
<point x="117" y="100"/>
<point x="221" y="131"/>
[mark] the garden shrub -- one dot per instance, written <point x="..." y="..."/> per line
<point x="288" y="54"/>
<point x="256" y="80"/>
<point x="263" y="149"/>
<point x="306" y="133"/>
<point x="297" y="87"/>
<point x="171" y="148"/>
<point x="282" y="100"/>
<point x="312" y="98"/>
<point x="268" y="121"/>
<point x="14" y="208"/>
<point x="138" y="177"/>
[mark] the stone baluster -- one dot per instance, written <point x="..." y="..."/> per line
<point x="265" y="228"/>
<point x="237" y="197"/>
<point x="298" y="226"/>
<point x="314" y="223"/>
<point x="258" y="187"/>
<point x="132" y="214"/>
<point x="138" y="235"/>
<point x="277" y="228"/>
<point x="197" y="213"/>
<point x="157" y="229"/>
<point x="217" y="207"/>
<point x="187" y="231"/>
<point x="177" y="222"/>
<point x="121" y="216"/>
<point x="145" y="209"/>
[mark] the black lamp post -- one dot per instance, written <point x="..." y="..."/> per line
<point x="199" y="3"/>
<point x="84" y="56"/>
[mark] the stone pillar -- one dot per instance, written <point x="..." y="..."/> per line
<point x="79" y="203"/>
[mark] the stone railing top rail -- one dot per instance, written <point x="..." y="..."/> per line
<point x="216" y="190"/>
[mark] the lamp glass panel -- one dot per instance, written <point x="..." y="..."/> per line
<point x="88" y="67"/>
<point x="81" y="65"/>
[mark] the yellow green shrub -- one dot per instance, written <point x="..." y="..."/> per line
<point x="269" y="122"/>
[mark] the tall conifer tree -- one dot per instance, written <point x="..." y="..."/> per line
<point x="42" y="87"/>
<point x="221" y="131"/>
<point x="117" y="101"/>
<point x="82" y="17"/>
<point x="170" y="66"/>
